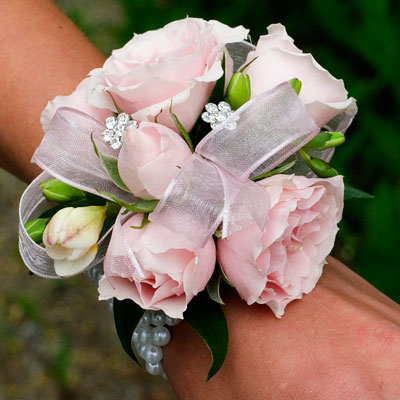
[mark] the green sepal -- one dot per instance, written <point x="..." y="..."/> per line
<point x="156" y="117"/>
<point x="205" y="316"/>
<point x="214" y="284"/>
<point x="59" y="192"/>
<point x="119" y="111"/>
<point x="325" y="140"/>
<point x="295" y="83"/>
<point x="145" y="221"/>
<point x="319" y="167"/>
<point x="110" y="165"/>
<point x="141" y="206"/>
<point x="278" y="170"/>
<point x="127" y="315"/>
<point x="35" y="228"/>
<point x="181" y="128"/>
<point x="351" y="192"/>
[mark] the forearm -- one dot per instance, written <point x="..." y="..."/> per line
<point x="43" y="54"/>
<point x="342" y="338"/>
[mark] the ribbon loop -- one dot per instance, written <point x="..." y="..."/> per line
<point x="213" y="185"/>
<point x="66" y="153"/>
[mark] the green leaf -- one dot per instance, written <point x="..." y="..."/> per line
<point x="35" y="228"/>
<point x="205" y="316"/>
<point x="112" y="209"/>
<point x="181" y="128"/>
<point x="110" y="165"/>
<point x="351" y="192"/>
<point x="319" y="167"/>
<point x="127" y="315"/>
<point x="213" y="285"/>
<point x="275" y="171"/>
<point x="141" y="206"/>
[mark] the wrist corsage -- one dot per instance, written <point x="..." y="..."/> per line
<point x="191" y="159"/>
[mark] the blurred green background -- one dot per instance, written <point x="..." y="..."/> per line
<point x="58" y="342"/>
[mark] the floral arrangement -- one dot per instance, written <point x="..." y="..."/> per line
<point x="191" y="159"/>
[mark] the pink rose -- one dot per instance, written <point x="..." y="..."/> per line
<point x="179" y="62"/>
<point x="76" y="100"/>
<point x="280" y="60"/>
<point x="150" y="157"/>
<point x="174" y="271"/>
<point x="284" y="261"/>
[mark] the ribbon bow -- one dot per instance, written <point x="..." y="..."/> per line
<point x="213" y="186"/>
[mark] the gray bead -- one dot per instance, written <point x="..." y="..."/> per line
<point x="158" y="318"/>
<point x="142" y="349"/>
<point x="135" y="337"/>
<point x="161" y="336"/>
<point x="172" y="321"/>
<point x="153" y="354"/>
<point x="154" y="368"/>
<point x="146" y="318"/>
<point x="145" y="334"/>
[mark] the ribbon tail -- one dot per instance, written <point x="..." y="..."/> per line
<point x="246" y="203"/>
<point x="66" y="153"/>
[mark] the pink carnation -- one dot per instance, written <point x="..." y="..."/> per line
<point x="173" y="270"/>
<point x="281" y="263"/>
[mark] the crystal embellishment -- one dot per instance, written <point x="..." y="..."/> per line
<point x="215" y="115"/>
<point x="115" y="127"/>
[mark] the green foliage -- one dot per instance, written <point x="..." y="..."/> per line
<point x="110" y="165"/>
<point x="35" y="228"/>
<point x="127" y="315"/>
<point x="205" y="316"/>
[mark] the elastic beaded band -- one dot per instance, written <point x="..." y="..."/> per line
<point x="150" y="334"/>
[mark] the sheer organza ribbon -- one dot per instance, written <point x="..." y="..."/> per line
<point x="213" y="186"/>
<point x="66" y="152"/>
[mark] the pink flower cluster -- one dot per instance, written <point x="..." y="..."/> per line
<point x="180" y="64"/>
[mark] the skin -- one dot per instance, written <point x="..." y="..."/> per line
<point x="342" y="341"/>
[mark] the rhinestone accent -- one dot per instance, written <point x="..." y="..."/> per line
<point x="115" y="127"/>
<point x="215" y="115"/>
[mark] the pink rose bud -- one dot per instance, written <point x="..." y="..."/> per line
<point x="280" y="60"/>
<point x="71" y="238"/>
<point x="285" y="261"/>
<point x="150" y="157"/>
<point x="173" y="269"/>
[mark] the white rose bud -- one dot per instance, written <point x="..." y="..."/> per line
<point x="71" y="238"/>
